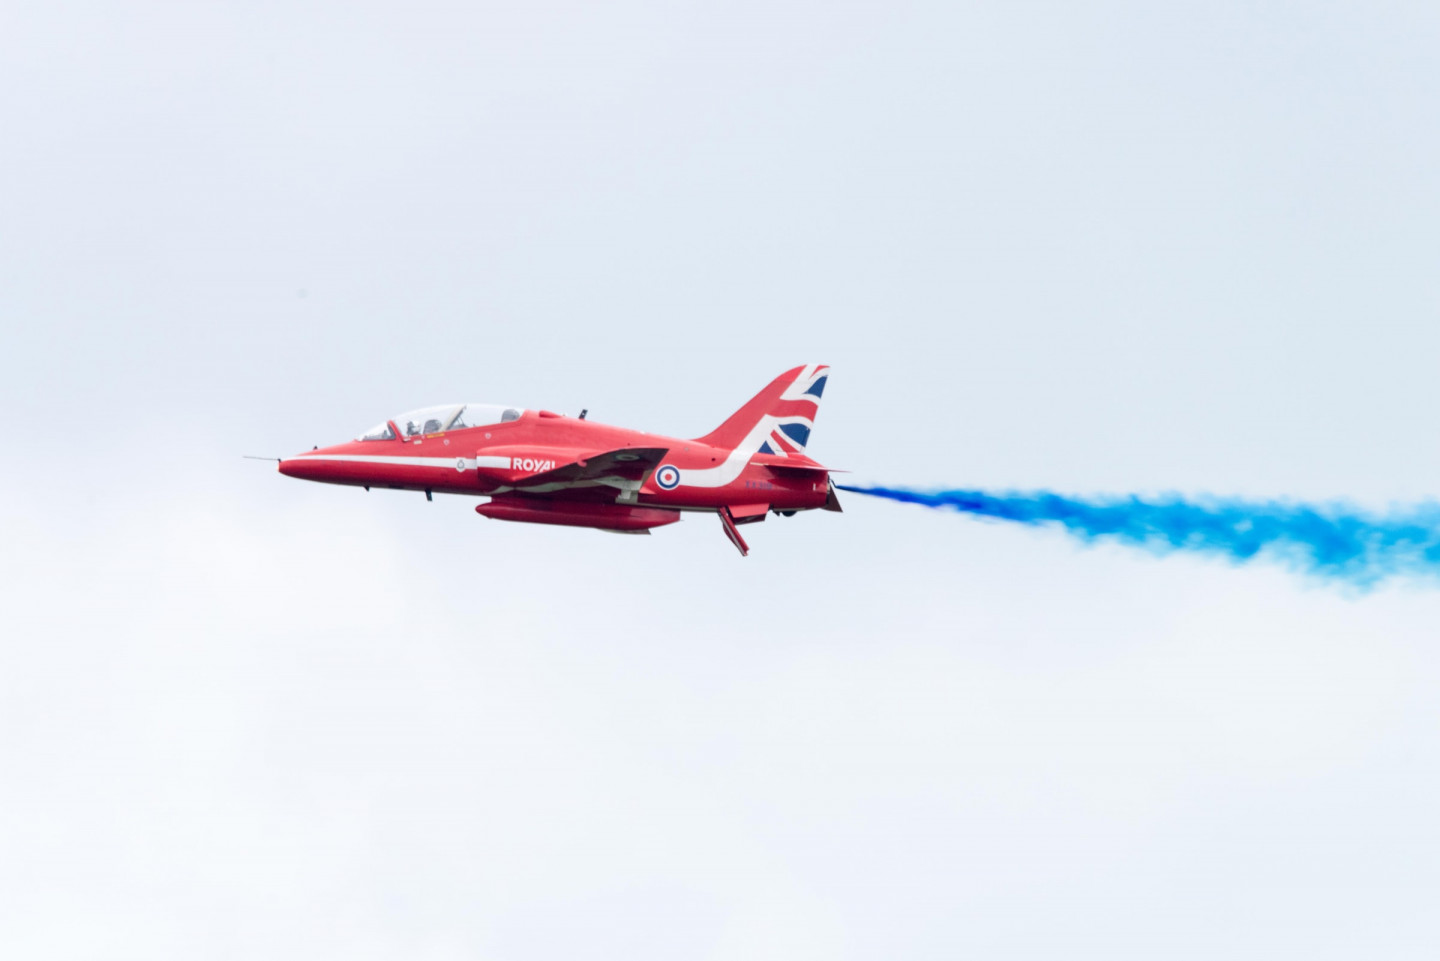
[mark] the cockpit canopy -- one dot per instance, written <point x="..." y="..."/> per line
<point x="437" y="420"/>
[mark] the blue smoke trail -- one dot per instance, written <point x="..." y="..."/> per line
<point x="1334" y="541"/>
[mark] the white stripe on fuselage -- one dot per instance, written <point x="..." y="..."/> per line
<point x="447" y="463"/>
<point x="739" y="458"/>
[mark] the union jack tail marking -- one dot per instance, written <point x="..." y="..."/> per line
<point x="778" y="420"/>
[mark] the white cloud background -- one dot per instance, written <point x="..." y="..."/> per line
<point x="1105" y="247"/>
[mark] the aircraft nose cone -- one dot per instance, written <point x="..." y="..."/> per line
<point x="301" y="467"/>
<point x="328" y="465"/>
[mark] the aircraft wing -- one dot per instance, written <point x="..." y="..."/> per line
<point x="624" y="469"/>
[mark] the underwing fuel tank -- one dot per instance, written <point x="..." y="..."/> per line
<point x="606" y="517"/>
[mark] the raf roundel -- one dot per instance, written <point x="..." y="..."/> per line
<point x="668" y="477"/>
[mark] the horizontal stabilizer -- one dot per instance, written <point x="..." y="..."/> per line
<point x="794" y="468"/>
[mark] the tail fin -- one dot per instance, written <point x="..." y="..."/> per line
<point x="778" y="420"/>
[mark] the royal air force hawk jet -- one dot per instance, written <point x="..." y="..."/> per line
<point x="541" y="467"/>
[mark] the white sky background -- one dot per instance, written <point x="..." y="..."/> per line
<point x="1100" y="248"/>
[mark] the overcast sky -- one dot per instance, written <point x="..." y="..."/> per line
<point x="1098" y="247"/>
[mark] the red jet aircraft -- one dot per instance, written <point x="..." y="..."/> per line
<point x="545" y="468"/>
